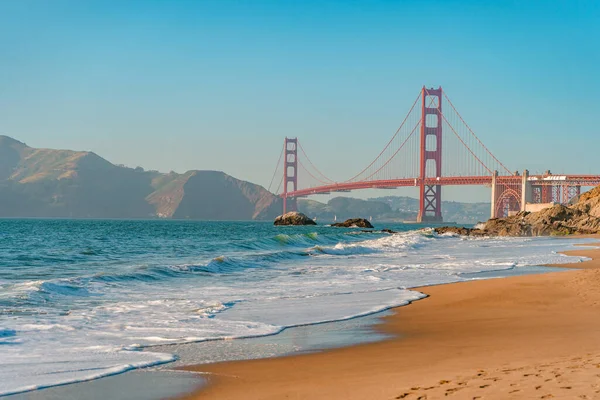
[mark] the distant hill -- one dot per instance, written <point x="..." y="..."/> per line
<point x="78" y="184"/>
<point x="212" y="195"/>
<point x="47" y="183"/>
<point x="391" y="208"/>
<point x="452" y="211"/>
<point x="344" y="208"/>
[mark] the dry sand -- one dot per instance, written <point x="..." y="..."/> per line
<point x="526" y="337"/>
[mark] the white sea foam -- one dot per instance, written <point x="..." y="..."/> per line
<point x="102" y="335"/>
<point x="60" y="366"/>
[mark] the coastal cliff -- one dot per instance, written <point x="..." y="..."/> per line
<point x="582" y="217"/>
<point x="49" y="183"/>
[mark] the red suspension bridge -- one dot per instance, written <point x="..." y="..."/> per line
<point x="432" y="148"/>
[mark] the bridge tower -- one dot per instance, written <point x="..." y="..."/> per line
<point x="430" y="196"/>
<point x="290" y="173"/>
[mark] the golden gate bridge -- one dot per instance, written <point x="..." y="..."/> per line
<point x="432" y="148"/>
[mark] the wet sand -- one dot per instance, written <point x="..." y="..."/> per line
<point x="524" y="337"/>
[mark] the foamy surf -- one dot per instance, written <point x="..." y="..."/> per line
<point x="88" y="319"/>
<point x="70" y="367"/>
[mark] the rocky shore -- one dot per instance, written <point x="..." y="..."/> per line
<point x="354" y="223"/>
<point x="582" y="217"/>
<point x="293" y="218"/>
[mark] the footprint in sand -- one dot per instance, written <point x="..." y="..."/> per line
<point x="453" y="390"/>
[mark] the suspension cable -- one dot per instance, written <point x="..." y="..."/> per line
<point x="276" y="168"/>
<point x="389" y="143"/>
<point x="463" y="142"/>
<point x="280" y="183"/>
<point x="313" y="165"/>
<point x="474" y="135"/>
<point x="394" y="155"/>
<point x="314" y="177"/>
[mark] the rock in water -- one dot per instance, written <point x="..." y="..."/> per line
<point x="293" y="218"/>
<point x="354" y="223"/>
<point x="455" y="230"/>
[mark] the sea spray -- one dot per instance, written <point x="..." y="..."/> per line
<point x="90" y="294"/>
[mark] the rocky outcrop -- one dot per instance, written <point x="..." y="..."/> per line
<point x="589" y="202"/>
<point x="556" y="220"/>
<point x="391" y="232"/>
<point x="580" y="218"/>
<point x="456" y="230"/>
<point x="293" y="218"/>
<point x="354" y="223"/>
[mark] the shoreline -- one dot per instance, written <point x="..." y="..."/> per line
<point x="435" y="351"/>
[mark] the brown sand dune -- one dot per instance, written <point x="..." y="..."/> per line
<point x="527" y="337"/>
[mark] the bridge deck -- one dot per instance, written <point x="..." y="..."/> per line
<point x="570" y="180"/>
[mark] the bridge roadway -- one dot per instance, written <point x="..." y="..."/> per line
<point x="536" y="180"/>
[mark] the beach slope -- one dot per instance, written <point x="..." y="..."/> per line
<point x="535" y="336"/>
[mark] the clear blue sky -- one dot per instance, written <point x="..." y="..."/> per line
<point x="178" y="85"/>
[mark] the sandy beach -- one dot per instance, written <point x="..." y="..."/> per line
<point x="525" y="337"/>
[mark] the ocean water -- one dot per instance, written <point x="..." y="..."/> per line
<point x="81" y="299"/>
